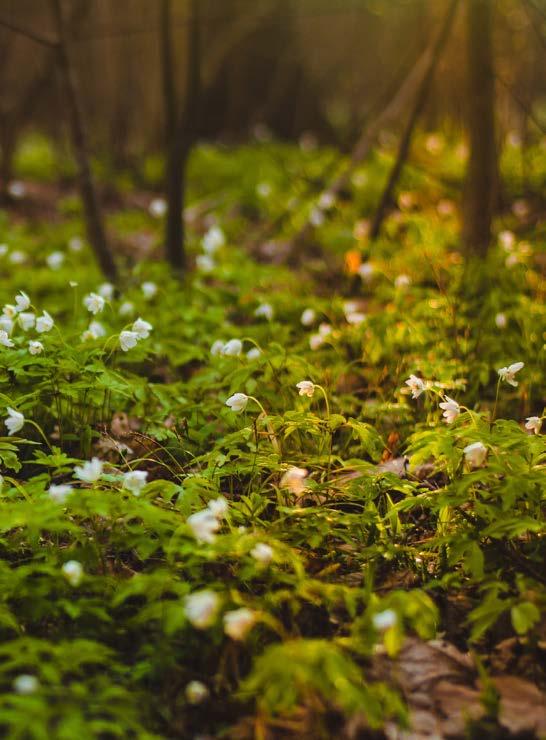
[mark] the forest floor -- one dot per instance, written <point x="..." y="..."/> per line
<point x="301" y="492"/>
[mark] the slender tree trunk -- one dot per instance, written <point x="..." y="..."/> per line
<point x="405" y="141"/>
<point x="92" y="212"/>
<point x="8" y="141"/>
<point x="482" y="180"/>
<point x="181" y="134"/>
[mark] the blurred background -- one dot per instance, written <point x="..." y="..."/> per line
<point x="289" y="67"/>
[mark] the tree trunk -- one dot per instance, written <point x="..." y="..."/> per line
<point x="181" y="134"/>
<point x="481" y="183"/>
<point x="405" y="141"/>
<point x="92" y="212"/>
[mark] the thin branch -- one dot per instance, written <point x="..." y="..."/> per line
<point x="524" y="107"/>
<point x="29" y="34"/>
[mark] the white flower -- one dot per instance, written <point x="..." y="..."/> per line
<point x="17" y="189"/>
<point x="205" y="263"/>
<point x="326" y="200"/>
<point x="97" y="329"/>
<point x="384" y="620"/>
<point x="23" y="301"/>
<point x="262" y="553"/>
<point x="94" y="303"/>
<point x="475" y="454"/>
<point x="128" y="340"/>
<point x="90" y="471"/>
<point x="366" y="270"/>
<point x="73" y="572"/>
<point x="5" y="341"/>
<point x="355" y="317"/>
<point x="293" y="479"/>
<point x="218" y="507"/>
<point x="451" y="410"/>
<point x="217" y="348"/>
<point x="316" y="340"/>
<point x="316" y="217"/>
<point x="26" y="684"/>
<point x="134" y="481"/>
<point x="35" y="347"/>
<point x="239" y="622"/>
<point x="213" y="240"/>
<point x="308" y="317"/>
<point x="55" y="260"/>
<point x="59" y="493"/>
<point x="27" y="320"/>
<point x="204" y="525"/>
<point x="201" y="608"/>
<point x="142" y="328"/>
<point x="126" y="308"/>
<point x="149" y="289"/>
<point x="75" y="244"/>
<point x="9" y="311"/>
<point x="265" y="310"/>
<point x="416" y="385"/>
<point x="533" y="424"/>
<point x="507" y="240"/>
<point x="44" y="323"/>
<point x="306" y="388"/>
<point x="106" y="291"/>
<point x="196" y="692"/>
<point x="402" y="281"/>
<point x="157" y="207"/>
<point x="253" y="353"/>
<point x="507" y="373"/>
<point x="4" y="249"/>
<point x="263" y="189"/>
<point x="17" y="257"/>
<point x="237" y="402"/>
<point x="6" y="324"/>
<point x="15" y="421"/>
<point x="501" y="321"/>
<point x="233" y="348"/>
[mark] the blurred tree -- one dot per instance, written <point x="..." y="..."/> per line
<point x="92" y="211"/>
<point x="482" y="175"/>
<point x="181" y="128"/>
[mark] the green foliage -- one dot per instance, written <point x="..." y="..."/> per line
<point x="336" y="561"/>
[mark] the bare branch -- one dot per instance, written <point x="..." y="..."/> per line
<point x="29" y="34"/>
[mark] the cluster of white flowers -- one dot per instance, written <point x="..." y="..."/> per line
<point x="353" y="312"/>
<point x="130" y="337"/>
<point x="201" y="609"/>
<point x="476" y="453"/>
<point x="205" y="523"/>
<point x="26" y="319"/>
